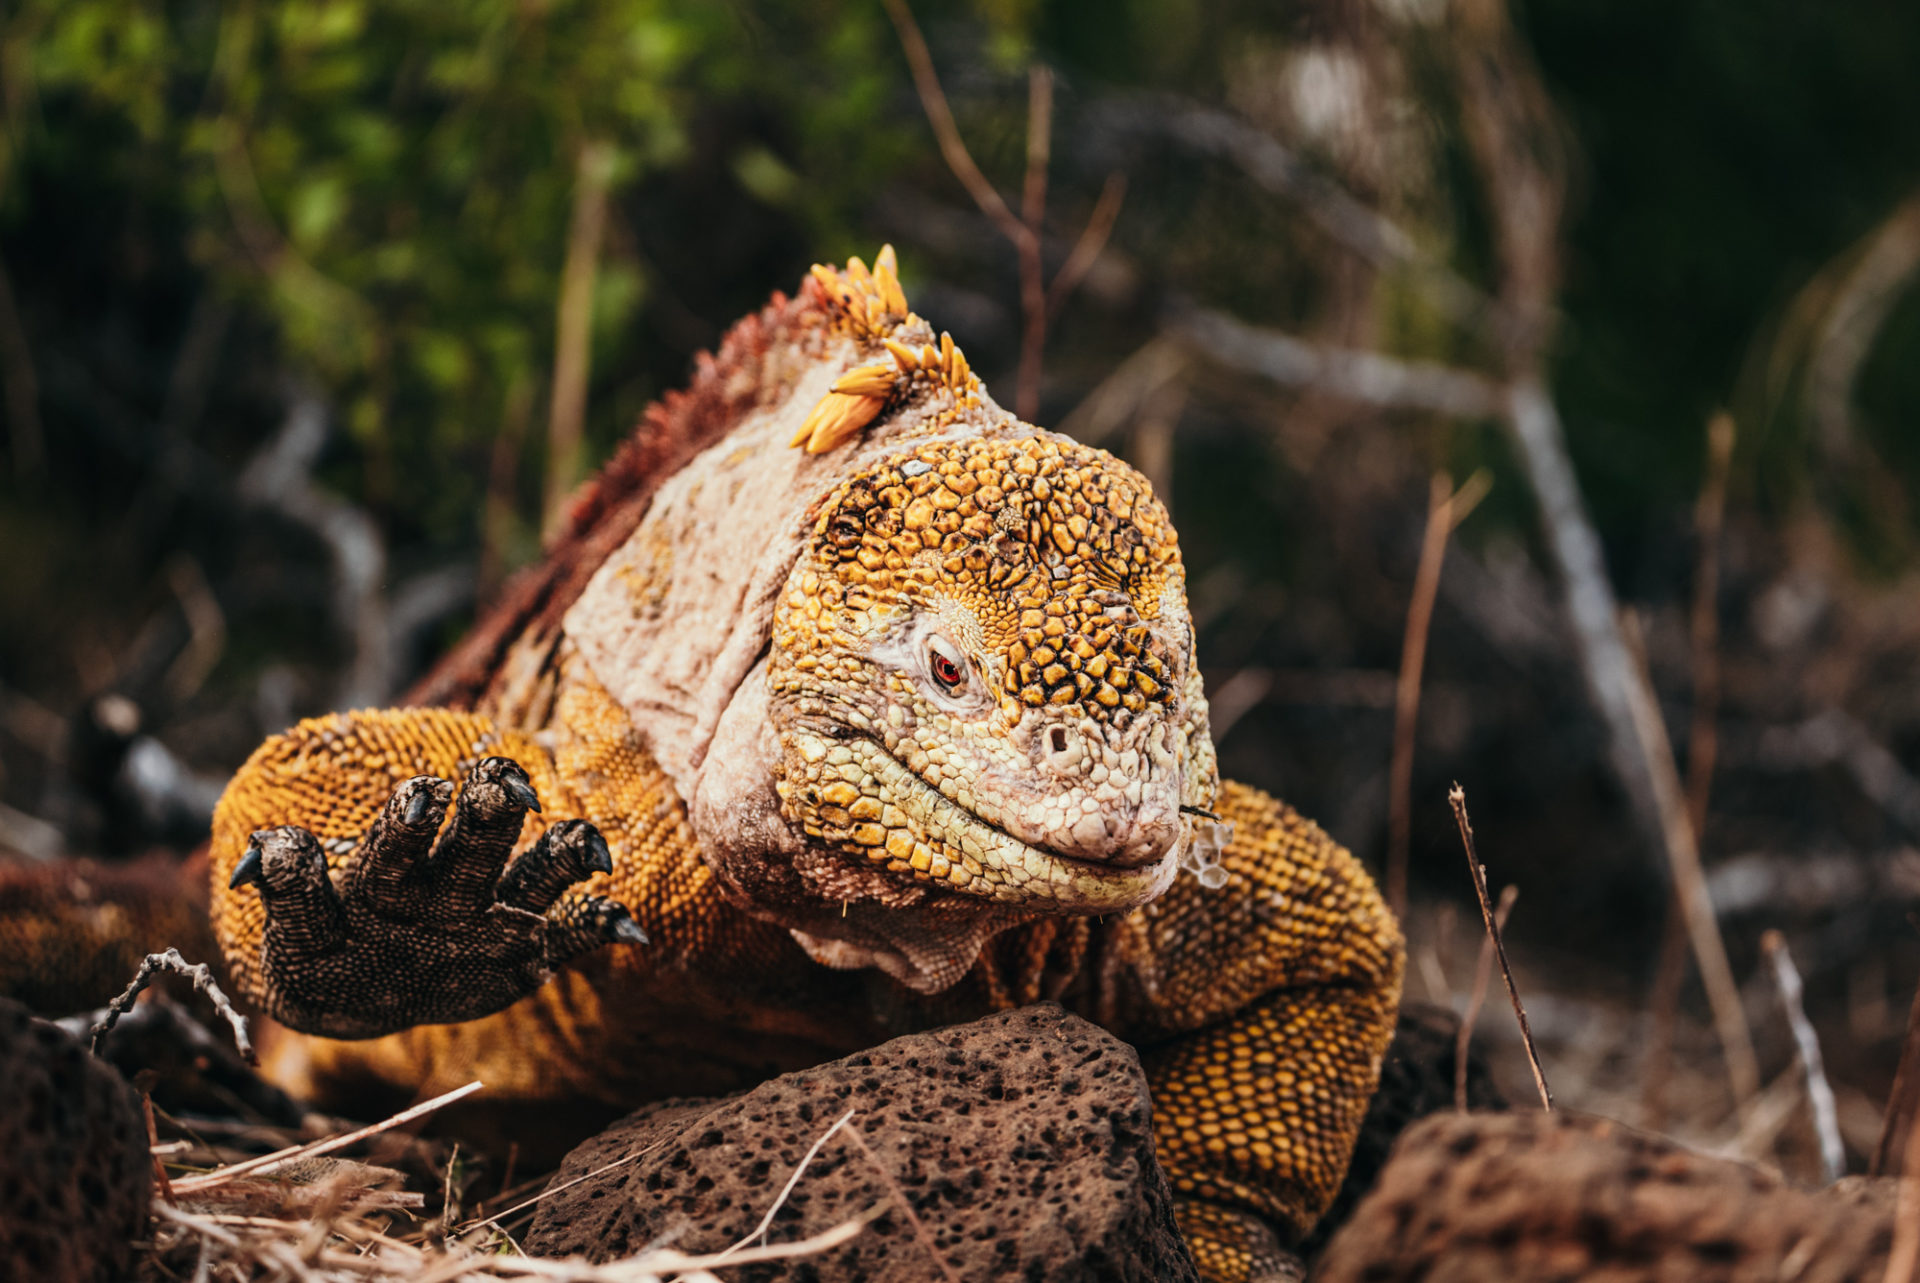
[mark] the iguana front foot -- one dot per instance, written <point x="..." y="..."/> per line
<point x="421" y="932"/>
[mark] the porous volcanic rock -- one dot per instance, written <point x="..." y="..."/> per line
<point x="1022" y="1142"/>
<point x="1531" y="1197"/>
<point x="74" y="1171"/>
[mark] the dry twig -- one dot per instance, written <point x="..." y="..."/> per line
<point x="1894" y="1155"/>
<point x="760" y="1231"/>
<point x="906" y="1207"/>
<point x="1826" y="1118"/>
<point x="1038" y="301"/>
<point x="1482" y="973"/>
<point x="1689" y="881"/>
<point x="1905" y="1252"/>
<point x="1446" y="509"/>
<point x="202" y="977"/>
<point x="573" y="344"/>
<point x="1709" y="519"/>
<point x="1457" y="796"/>
<point x="270" y="1162"/>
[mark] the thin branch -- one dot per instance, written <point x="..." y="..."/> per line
<point x="760" y="1231"/>
<point x="1482" y="974"/>
<point x="1689" y="879"/>
<point x="913" y="1218"/>
<point x="1457" y="797"/>
<point x="1861" y="303"/>
<point x="1093" y="239"/>
<point x="573" y="342"/>
<point x="1703" y="742"/>
<point x="1033" y="279"/>
<point x="1826" y="1117"/>
<point x="269" y="1162"/>
<point x="1367" y="377"/>
<point x="1903" y="1108"/>
<point x="202" y="977"/>
<point x="1904" y="1254"/>
<point x="1117" y="398"/>
<point x="161" y="1184"/>
<point x="1446" y="509"/>
<point x="1033" y="195"/>
<point x="1038" y="303"/>
<point x="934" y="100"/>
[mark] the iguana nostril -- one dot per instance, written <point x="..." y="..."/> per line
<point x="1059" y="740"/>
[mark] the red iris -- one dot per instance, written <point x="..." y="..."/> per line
<point x="945" y="671"/>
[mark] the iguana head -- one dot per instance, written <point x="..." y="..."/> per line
<point x="927" y="675"/>
<point x="983" y="682"/>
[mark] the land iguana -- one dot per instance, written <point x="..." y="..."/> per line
<point x="846" y="704"/>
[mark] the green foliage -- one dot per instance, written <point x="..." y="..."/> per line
<point x="392" y="183"/>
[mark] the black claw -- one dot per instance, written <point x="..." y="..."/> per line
<point x="248" y="870"/>
<point x="417" y="809"/>
<point x="521" y="791"/>
<point x="627" y="931"/>
<point x="599" y="856"/>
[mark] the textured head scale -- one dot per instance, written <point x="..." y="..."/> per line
<point x="983" y="674"/>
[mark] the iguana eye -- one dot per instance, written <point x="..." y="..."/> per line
<point x="948" y="669"/>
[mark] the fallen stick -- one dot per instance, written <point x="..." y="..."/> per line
<point x="1458" y="798"/>
<point x="268" y="1162"/>
<point x="1826" y="1117"/>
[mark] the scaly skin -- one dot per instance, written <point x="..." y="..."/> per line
<point x="950" y="755"/>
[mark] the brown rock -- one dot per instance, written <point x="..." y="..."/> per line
<point x="1530" y="1197"/>
<point x="1022" y="1141"/>
<point x="74" y="1172"/>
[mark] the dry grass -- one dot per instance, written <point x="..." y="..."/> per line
<point x="298" y="1215"/>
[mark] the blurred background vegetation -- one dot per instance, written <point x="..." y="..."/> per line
<point x="304" y="303"/>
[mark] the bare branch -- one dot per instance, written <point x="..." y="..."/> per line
<point x="1482" y="974"/>
<point x="1366" y="377"/>
<point x="760" y="1231"/>
<point x="1904" y="1253"/>
<point x="1128" y="386"/>
<point x="1033" y="193"/>
<point x="1093" y="239"/>
<point x="1689" y="881"/>
<point x="1457" y="797"/>
<point x="1709" y="519"/>
<point x="202" y="977"/>
<point x="1826" y="1117"/>
<point x="1883" y="272"/>
<point x="573" y="342"/>
<point x="1900" y="1136"/>
<point x="913" y="1218"/>
<point x="1446" y="508"/>
<point x="933" y="100"/>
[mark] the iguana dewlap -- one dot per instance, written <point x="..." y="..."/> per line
<point x="884" y="714"/>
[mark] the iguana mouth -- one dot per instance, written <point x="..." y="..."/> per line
<point x="974" y="856"/>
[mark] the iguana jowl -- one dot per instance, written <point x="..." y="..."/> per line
<point x="894" y="728"/>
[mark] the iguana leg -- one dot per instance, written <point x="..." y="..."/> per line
<point x="1277" y="996"/>
<point x="355" y="936"/>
